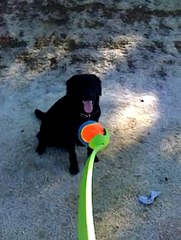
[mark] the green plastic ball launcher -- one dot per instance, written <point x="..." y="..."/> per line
<point x="86" y="229"/>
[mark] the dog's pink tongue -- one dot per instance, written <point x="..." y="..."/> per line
<point x="88" y="106"/>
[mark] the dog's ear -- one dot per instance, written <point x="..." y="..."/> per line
<point x="98" y="81"/>
<point x="71" y="84"/>
<point x="99" y="86"/>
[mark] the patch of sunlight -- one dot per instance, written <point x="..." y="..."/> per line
<point x="115" y="52"/>
<point x="135" y="117"/>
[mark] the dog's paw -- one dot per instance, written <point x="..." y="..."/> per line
<point x="73" y="170"/>
<point x="96" y="159"/>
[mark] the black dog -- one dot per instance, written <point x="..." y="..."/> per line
<point x="60" y="124"/>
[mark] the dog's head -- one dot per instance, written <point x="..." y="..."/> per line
<point x="84" y="90"/>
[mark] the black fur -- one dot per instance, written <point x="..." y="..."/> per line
<point x="60" y="124"/>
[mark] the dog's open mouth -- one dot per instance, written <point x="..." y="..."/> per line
<point x="88" y="106"/>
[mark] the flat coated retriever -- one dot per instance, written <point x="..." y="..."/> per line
<point x="60" y="124"/>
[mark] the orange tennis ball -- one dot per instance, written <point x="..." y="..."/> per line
<point x="88" y="130"/>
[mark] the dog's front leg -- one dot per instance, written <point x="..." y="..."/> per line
<point x="89" y="151"/>
<point x="74" y="168"/>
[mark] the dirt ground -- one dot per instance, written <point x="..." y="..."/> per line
<point x="135" y="49"/>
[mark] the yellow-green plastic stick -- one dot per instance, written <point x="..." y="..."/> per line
<point x="86" y="229"/>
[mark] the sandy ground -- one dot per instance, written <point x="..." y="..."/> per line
<point x="135" y="48"/>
